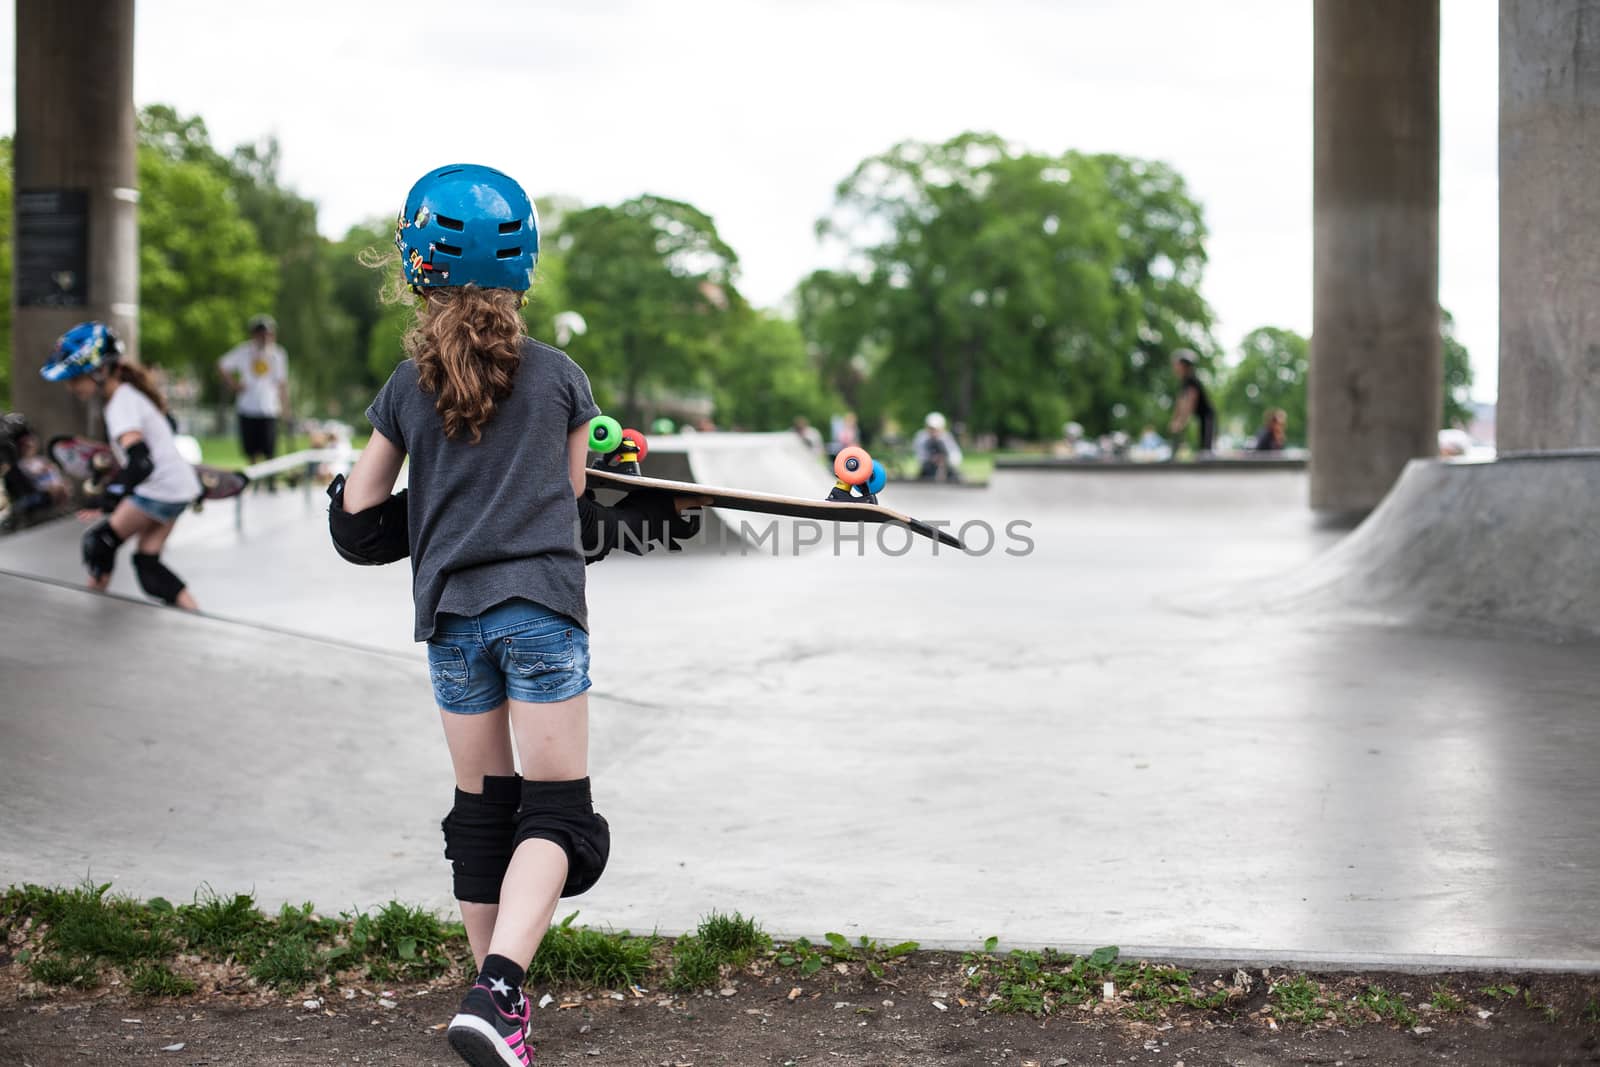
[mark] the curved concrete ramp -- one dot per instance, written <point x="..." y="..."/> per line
<point x="1515" y="542"/>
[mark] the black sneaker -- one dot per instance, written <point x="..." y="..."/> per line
<point x="485" y="1036"/>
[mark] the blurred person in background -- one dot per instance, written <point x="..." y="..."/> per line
<point x="1192" y="404"/>
<point x="938" y="455"/>
<point x="1273" y="430"/>
<point x="258" y="373"/>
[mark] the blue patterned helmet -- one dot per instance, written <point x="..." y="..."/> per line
<point x="468" y="225"/>
<point x="82" y="350"/>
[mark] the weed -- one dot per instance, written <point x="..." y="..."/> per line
<point x="397" y="942"/>
<point x="77" y="972"/>
<point x="1444" y="1000"/>
<point x="574" y="955"/>
<point x="287" y="963"/>
<point x="218" y="927"/>
<point x="695" y="965"/>
<point x="1387" y="1005"/>
<point x="1299" y="1000"/>
<point x="1498" y="992"/>
<point x="733" y="939"/>
<point x="1591" y="1012"/>
<point x="872" y="954"/>
<point x="158" y="980"/>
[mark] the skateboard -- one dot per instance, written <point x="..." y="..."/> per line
<point x="94" y="466"/>
<point x="854" y="497"/>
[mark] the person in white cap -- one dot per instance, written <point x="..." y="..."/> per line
<point x="938" y="455"/>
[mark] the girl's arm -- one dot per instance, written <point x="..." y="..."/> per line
<point x="578" y="459"/>
<point x="373" y="477"/>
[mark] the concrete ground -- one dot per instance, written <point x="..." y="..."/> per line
<point x="1104" y="739"/>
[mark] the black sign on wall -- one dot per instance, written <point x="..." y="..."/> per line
<point x="52" y="265"/>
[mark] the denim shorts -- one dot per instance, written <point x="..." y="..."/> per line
<point x="160" y="510"/>
<point x="517" y="649"/>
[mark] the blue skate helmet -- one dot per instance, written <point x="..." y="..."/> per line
<point x="468" y="225"/>
<point x="84" y="349"/>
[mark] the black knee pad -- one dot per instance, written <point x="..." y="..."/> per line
<point x="562" y="812"/>
<point x="155" y="579"/>
<point x="479" y="837"/>
<point x="100" y="544"/>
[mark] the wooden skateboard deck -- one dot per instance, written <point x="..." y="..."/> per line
<point x="773" y="504"/>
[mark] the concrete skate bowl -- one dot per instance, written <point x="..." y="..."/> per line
<point x="1513" y="543"/>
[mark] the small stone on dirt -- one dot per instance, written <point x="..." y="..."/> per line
<point x="173" y="1048"/>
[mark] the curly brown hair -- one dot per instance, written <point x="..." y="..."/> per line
<point x="138" y="377"/>
<point x="466" y="343"/>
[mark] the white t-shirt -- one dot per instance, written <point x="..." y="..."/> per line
<point x="173" y="481"/>
<point x="262" y="370"/>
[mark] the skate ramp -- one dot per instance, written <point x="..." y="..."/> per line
<point x="765" y="462"/>
<point x="1509" y="543"/>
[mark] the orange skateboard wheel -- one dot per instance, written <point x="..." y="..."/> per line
<point x="852" y="465"/>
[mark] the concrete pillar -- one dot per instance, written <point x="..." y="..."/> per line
<point x="75" y="226"/>
<point x="1377" y="372"/>
<point x="1549" y="225"/>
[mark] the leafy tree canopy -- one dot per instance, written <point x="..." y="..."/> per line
<point x="1011" y="289"/>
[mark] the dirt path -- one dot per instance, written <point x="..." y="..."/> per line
<point x="846" y="1020"/>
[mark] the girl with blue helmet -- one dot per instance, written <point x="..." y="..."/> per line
<point x="156" y="484"/>
<point x="495" y="426"/>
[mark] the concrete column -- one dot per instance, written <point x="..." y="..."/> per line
<point x="75" y="224"/>
<point x="1377" y="372"/>
<point x="1549" y="225"/>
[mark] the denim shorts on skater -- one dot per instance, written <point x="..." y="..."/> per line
<point x="517" y="648"/>
<point x="160" y="510"/>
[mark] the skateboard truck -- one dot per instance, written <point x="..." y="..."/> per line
<point x="860" y="478"/>
<point x="620" y="449"/>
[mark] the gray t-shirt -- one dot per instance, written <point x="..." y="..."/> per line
<point x="493" y="520"/>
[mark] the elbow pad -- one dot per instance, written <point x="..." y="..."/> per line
<point x="139" y="467"/>
<point x="373" y="537"/>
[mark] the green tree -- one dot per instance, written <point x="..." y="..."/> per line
<point x="1274" y="367"/>
<point x="1011" y="289"/>
<point x="326" y="358"/>
<point x="202" y="271"/>
<point x="764" y="378"/>
<point x="1271" y="373"/>
<point x="655" y="284"/>
<point x="1457" y="374"/>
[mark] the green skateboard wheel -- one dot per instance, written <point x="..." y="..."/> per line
<point x="605" y="434"/>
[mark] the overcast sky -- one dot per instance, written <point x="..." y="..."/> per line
<point x="754" y="109"/>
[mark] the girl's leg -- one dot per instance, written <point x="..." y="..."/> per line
<point x="553" y="742"/>
<point x="151" y="541"/>
<point x="480" y="745"/>
<point x="126" y="521"/>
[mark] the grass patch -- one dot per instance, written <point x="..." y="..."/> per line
<point x="287" y="963"/>
<point x="223" y="450"/>
<point x="1299" y="1000"/>
<point x="1387" y="1005"/>
<point x="72" y="972"/>
<point x="576" y="955"/>
<point x="158" y="980"/>
<point x="719" y="941"/>
<point x="219" y="927"/>
<point x="695" y="965"/>
<point x="733" y="939"/>
<point x="1042" y="983"/>
<point x="399" y="942"/>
